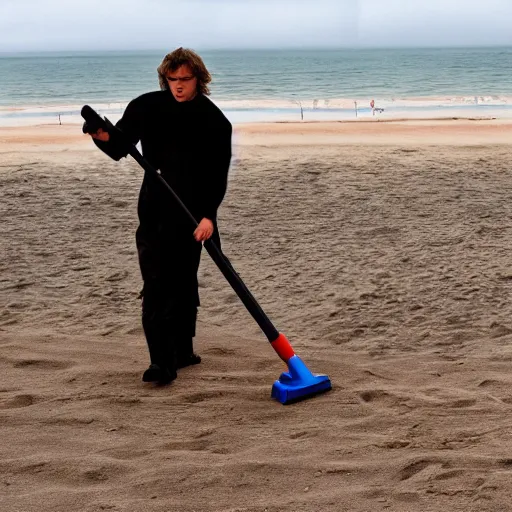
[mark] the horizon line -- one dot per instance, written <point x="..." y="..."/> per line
<point x="260" y="48"/>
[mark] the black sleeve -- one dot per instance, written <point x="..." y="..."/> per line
<point x="130" y="125"/>
<point x="216" y="175"/>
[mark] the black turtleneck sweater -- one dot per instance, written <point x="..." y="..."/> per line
<point x="190" y="142"/>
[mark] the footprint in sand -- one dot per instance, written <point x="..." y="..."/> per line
<point x="18" y="402"/>
<point x="452" y="473"/>
<point x="193" y="446"/>
<point x="413" y="469"/>
<point x="42" y="364"/>
<point x="499" y="330"/>
<point x="125" y="453"/>
<point x="381" y="397"/>
<point x="195" y="398"/>
<point x="220" y="351"/>
<point x="491" y="383"/>
<point x="460" y="403"/>
<point x="303" y="434"/>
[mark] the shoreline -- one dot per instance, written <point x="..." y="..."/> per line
<point x="300" y="111"/>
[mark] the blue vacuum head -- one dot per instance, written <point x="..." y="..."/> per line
<point x="298" y="383"/>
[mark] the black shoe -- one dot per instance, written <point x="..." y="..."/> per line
<point x="160" y="375"/>
<point x="188" y="360"/>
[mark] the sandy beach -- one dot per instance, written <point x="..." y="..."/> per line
<point x="381" y="249"/>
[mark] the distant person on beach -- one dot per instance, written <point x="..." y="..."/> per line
<point x="374" y="108"/>
<point x="186" y="137"/>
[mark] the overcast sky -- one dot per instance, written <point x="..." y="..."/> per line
<point x="37" y="25"/>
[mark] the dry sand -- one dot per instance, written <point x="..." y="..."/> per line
<point x="383" y="251"/>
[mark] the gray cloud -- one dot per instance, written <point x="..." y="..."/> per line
<point x="157" y="24"/>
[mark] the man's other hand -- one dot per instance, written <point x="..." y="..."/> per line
<point x="204" y="230"/>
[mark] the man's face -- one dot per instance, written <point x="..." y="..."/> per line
<point x="183" y="83"/>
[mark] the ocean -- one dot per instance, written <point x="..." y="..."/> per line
<point x="266" y="85"/>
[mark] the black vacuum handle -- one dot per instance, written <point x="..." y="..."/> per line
<point x="93" y="121"/>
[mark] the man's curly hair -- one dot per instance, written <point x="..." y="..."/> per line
<point x="179" y="57"/>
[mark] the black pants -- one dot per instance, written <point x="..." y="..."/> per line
<point x="169" y="324"/>
<point x="169" y="261"/>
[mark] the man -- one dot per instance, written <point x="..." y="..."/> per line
<point x="186" y="137"/>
